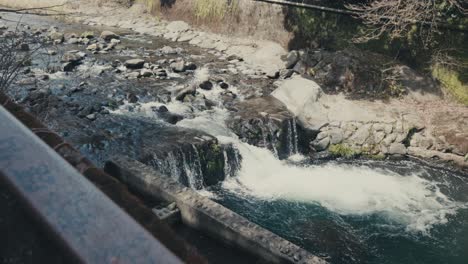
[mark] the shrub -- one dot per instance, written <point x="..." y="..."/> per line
<point x="343" y="151"/>
<point x="451" y="82"/>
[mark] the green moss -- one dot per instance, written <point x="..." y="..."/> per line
<point x="216" y="148"/>
<point x="451" y="82"/>
<point x="343" y="151"/>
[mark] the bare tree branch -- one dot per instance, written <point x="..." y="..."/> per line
<point x="398" y="17"/>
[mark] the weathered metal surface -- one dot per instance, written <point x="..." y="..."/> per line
<point x="94" y="228"/>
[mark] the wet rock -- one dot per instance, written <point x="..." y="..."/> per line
<point x="168" y="50"/>
<point x="234" y="57"/>
<point x="322" y="144"/>
<point x="178" y="66"/>
<point x="162" y="109"/>
<point x="291" y="59"/>
<point x="134" y="63"/>
<point x="72" y="57"/>
<point x="170" y="118"/>
<point x="132" y="98"/>
<point x="57" y="37"/>
<point x="109" y="35"/>
<point x="91" y="117"/>
<point x="115" y="41"/>
<point x="93" y="47"/>
<point x="223" y="85"/>
<point x="86" y="111"/>
<point x="73" y="41"/>
<point x="265" y="122"/>
<point x="133" y="75"/>
<point x="206" y="85"/>
<point x="52" y="52"/>
<point x="87" y="35"/>
<point x="24" y="47"/>
<point x="300" y="68"/>
<point x="69" y="66"/>
<point x="190" y="90"/>
<point x="161" y="73"/>
<point x="190" y="66"/>
<point x="146" y="73"/>
<point x="273" y="74"/>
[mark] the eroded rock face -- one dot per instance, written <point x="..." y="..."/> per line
<point x="193" y="158"/>
<point x="266" y="122"/>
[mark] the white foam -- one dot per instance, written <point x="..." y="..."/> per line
<point x="409" y="200"/>
<point x="344" y="189"/>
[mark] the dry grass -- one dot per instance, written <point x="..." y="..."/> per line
<point x="215" y="10"/>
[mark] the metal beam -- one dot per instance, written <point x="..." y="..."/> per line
<point x="83" y="220"/>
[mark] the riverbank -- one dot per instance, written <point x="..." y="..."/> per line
<point x="419" y="122"/>
<point x="205" y="114"/>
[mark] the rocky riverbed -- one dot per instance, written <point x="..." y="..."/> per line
<point x="190" y="103"/>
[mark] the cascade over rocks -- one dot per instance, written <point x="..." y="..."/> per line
<point x="193" y="158"/>
<point x="266" y="122"/>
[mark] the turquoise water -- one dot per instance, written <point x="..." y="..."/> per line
<point x="374" y="237"/>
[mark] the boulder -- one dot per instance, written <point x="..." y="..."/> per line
<point x="321" y="145"/>
<point x="266" y="122"/>
<point x="56" y="36"/>
<point x="397" y="149"/>
<point x="178" y="66"/>
<point x="206" y="85"/>
<point x="223" y="85"/>
<point x="296" y="93"/>
<point x="167" y="50"/>
<point x="87" y="35"/>
<point x="190" y="90"/>
<point x="109" y="35"/>
<point x="94" y="46"/>
<point x="291" y="60"/>
<point x="134" y="63"/>
<point x="146" y="73"/>
<point x="72" y="57"/>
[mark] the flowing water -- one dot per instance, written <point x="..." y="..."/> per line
<point x="346" y="212"/>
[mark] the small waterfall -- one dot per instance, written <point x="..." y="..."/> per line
<point x="295" y="136"/>
<point x="167" y="166"/>
<point x="172" y="166"/>
<point x="227" y="165"/>
<point x="273" y="138"/>
<point x="231" y="162"/>
<point x="292" y="137"/>
<point x="194" y="178"/>
<point x="183" y="166"/>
